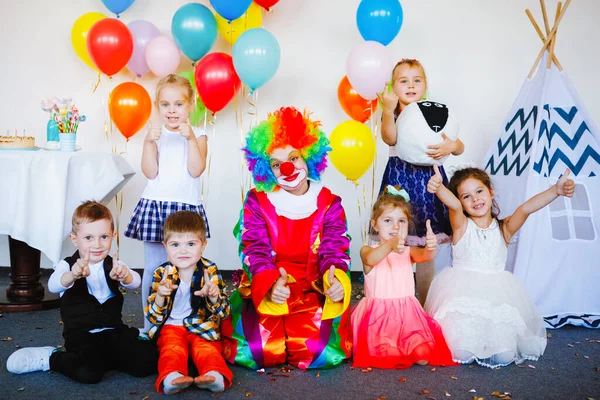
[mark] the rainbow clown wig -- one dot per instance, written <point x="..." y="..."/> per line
<point x="286" y="126"/>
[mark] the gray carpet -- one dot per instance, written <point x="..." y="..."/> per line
<point x="570" y="369"/>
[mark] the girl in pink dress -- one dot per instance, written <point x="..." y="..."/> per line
<point x="390" y="328"/>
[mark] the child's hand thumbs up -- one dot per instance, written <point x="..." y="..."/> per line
<point x="430" y="238"/>
<point x="336" y="290"/>
<point x="565" y="186"/>
<point x="435" y="181"/>
<point x="154" y="132"/>
<point x="186" y="131"/>
<point x="280" y="292"/>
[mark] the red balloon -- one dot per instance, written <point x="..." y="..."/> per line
<point x="353" y="104"/>
<point x="266" y="4"/>
<point x="110" y="45"/>
<point x="216" y="80"/>
<point x="130" y="107"/>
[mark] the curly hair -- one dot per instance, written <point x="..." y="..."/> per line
<point x="283" y="127"/>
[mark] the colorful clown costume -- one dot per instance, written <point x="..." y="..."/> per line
<point x="305" y="235"/>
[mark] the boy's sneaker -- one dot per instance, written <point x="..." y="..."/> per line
<point x="143" y="335"/>
<point x="30" y="359"/>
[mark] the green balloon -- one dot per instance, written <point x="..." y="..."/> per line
<point x="199" y="111"/>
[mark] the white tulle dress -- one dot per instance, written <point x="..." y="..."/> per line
<point x="485" y="312"/>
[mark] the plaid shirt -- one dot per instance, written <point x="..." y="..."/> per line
<point x="205" y="317"/>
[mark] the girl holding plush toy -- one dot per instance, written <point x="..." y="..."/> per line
<point x="420" y="134"/>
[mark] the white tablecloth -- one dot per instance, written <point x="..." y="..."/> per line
<point x="39" y="190"/>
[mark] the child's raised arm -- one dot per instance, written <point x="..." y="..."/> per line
<point x="564" y="187"/>
<point x="197" y="149"/>
<point x="150" y="151"/>
<point x="458" y="221"/>
<point x="388" y="124"/>
<point x="372" y="256"/>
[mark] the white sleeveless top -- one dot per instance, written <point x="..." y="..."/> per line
<point x="174" y="182"/>
<point x="481" y="250"/>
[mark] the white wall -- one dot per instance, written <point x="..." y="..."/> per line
<point x="476" y="56"/>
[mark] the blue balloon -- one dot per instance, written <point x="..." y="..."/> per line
<point x="256" y="57"/>
<point x="194" y="28"/>
<point x="231" y="9"/>
<point x="379" y="20"/>
<point x="117" y="6"/>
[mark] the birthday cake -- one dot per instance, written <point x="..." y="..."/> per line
<point x="17" y="142"/>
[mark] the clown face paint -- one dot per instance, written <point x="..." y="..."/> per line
<point x="291" y="177"/>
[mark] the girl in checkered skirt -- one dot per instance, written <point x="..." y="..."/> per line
<point x="173" y="158"/>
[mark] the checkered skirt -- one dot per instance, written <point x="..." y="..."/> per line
<point x="149" y="217"/>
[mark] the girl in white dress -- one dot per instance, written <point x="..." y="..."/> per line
<point x="485" y="312"/>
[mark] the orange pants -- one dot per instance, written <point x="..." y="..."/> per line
<point x="175" y="344"/>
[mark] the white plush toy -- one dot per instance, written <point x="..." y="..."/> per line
<point x="421" y="124"/>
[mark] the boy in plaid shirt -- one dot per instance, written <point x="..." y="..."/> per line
<point x="186" y="303"/>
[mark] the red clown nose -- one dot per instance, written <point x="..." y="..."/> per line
<point x="287" y="168"/>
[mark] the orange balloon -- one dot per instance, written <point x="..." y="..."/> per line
<point x="130" y="107"/>
<point x="353" y="104"/>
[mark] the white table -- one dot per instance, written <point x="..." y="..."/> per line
<point x="39" y="190"/>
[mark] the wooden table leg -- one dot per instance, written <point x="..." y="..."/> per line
<point x="26" y="292"/>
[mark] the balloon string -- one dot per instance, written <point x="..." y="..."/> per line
<point x="205" y="186"/>
<point x="95" y="86"/>
<point x="105" y="123"/>
<point x="240" y="126"/>
<point x="360" y="218"/>
<point x="252" y="108"/>
<point x="205" y="118"/>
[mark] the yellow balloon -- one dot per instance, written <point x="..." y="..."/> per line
<point x="353" y="147"/>
<point x="232" y="31"/>
<point x="79" y="32"/>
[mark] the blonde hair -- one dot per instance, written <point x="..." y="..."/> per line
<point x="185" y="222"/>
<point x="88" y="212"/>
<point x="411" y="63"/>
<point x="387" y="199"/>
<point x="176" y="80"/>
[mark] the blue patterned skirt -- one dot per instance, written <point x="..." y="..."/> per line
<point x="413" y="179"/>
<point x="149" y="216"/>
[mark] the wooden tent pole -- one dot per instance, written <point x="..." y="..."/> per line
<point x="549" y="38"/>
<point x="553" y="42"/>
<point x="542" y="37"/>
<point x="545" y="15"/>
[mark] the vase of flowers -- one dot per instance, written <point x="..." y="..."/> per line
<point x="64" y="122"/>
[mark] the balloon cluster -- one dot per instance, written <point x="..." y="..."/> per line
<point x="108" y="45"/>
<point x="368" y="69"/>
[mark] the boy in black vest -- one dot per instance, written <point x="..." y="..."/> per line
<point x="186" y="304"/>
<point x="96" y="340"/>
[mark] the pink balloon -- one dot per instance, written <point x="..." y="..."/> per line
<point x="162" y="56"/>
<point x="143" y="32"/>
<point x="369" y="68"/>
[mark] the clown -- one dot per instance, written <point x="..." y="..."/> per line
<point x="292" y="302"/>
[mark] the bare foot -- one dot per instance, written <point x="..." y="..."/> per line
<point x="204" y="380"/>
<point x="179" y="384"/>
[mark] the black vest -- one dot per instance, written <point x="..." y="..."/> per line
<point x="81" y="311"/>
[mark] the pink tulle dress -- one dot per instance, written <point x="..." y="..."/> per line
<point x="390" y="328"/>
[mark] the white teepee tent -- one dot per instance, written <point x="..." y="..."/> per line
<point x="557" y="252"/>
